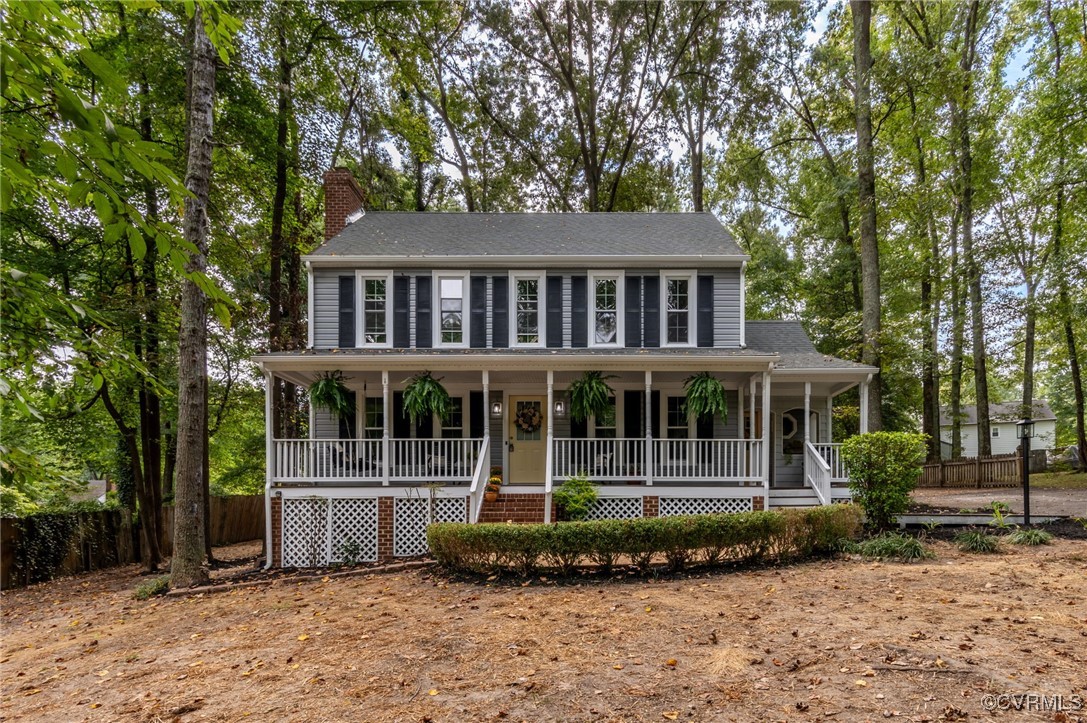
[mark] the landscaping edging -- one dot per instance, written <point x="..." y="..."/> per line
<point x="971" y="520"/>
<point x="224" y="587"/>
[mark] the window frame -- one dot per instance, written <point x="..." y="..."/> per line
<point x="377" y="401"/>
<point x="665" y="426"/>
<point x="620" y="300"/>
<point x="593" y="423"/>
<point x="436" y="305"/>
<point x="691" y="277"/>
<point x="540" y="277"/>
<point x="994" y="432"/>
<point x="443" y="427"/>
<point x="361" y="277"/>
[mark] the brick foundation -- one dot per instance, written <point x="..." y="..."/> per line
<point x="758" y="503"/>
<point x="651" y="506"/>
<point x="277" y="531"/>
<point x="521" y="508"/>
<point x="384" y="528"/>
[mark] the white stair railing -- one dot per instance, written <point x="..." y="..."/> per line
<point x="831" y="453"/>
<point x="480" y="475"/>
<point x="817" y="473"/>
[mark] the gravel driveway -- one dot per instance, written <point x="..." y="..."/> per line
<point x="1042" y="501"/>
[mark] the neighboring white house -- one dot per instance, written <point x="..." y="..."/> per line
<point x="1002" y="421"/>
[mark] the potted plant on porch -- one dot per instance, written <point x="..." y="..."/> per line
<point x="424" y="396"/>
<point x="494" y="484"/>
<point x="705" y="396"/>
<point x="329" y="392"/>
<point x="589" y="395"/>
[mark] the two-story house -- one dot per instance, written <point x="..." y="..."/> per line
<point x="507" y="310"/>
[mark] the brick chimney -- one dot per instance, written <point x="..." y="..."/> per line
<point x="343" y="196"/>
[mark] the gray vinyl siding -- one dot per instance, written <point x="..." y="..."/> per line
<point x="325" y="425"/>
<point x="729" y="429"/>
<point x="325" y="317"/>
<point x="726" y="308"/>
<point x="562" y="424"/>
<point x="494" y="426"/>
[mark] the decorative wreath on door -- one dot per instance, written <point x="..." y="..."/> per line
<point x="529" y="419"/>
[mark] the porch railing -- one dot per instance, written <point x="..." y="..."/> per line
<point x="817" y="473"/>
<point x="599" y="459"/>
<point x="831" y="454"/>
<point x="717" y="460"/>
<point x="361" y="460"/>
<point x="479" y="481"/>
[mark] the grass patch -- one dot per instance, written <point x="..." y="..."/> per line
<point x="893" y="546"/>
<point x="1059" y="481"/>
<point x="152" y="588"/>
<point x="1030" y="537"/>
<point x="977" y="541"/>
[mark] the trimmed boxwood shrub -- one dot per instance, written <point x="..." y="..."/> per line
<point x="883" y="469"/>
<point x="746" y="537"/>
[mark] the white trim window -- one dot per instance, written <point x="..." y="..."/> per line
<point x="374" y="417"/>
<point x="451" y="319"/>
<point x="994" y="432"/>
<point x="527" y="310"/>
<point x="606" y="309"/>
<point x="676" y="423"/>
<point x="453" y="427"/>
<point x="375" y="323"/>
<point x="606" y="425"/>
<point x="677" y="309"/>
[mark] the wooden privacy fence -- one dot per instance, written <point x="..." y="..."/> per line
<point x="41" y="547"/>
<point x="997" y="471"/>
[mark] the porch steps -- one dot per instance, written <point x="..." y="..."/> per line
<point x="793" y="497"/>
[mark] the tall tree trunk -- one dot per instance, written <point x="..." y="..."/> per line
<point x="866" y="179"/>
<point x="973" y="269"/>
<point x="150" y="552"/>
<point x="1063" y="302"/>
<point x="958" y="332"/>
<point x="279" y="203"/>
<point x="187" y="568"/>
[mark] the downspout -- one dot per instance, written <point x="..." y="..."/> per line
<point x="267" y="466"/>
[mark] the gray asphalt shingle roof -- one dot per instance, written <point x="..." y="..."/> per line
<point x="532" y="234"/>
<point x="998" y="412"/>
<point x="791" y="342"/>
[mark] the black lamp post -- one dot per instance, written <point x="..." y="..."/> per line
<point x="1024" y="430"/>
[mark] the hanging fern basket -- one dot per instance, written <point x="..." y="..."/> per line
<point x="424" y="396"/>
<point x="589" y="395"/>
<point x="329" y="392"/>
<point x="706" y="397"/>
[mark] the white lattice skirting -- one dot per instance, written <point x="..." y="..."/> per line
<point x="319" y="530"/>
<point x="672" y="506"/>
<point x="411" y="517"/>
<point x="616" y="508"/>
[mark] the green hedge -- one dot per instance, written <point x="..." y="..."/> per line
<point x="708" y="539"/>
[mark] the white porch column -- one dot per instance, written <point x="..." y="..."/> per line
<point x="864" y="404"/>
<point x="269" y="461"/>
<point x="648" y="428"/>
<point x="807" y="411"/>
<point x="751" y="408"/>
<point x="386" y="415"/>
<point x="740" y="412"/>
<point x="766" y="461"/>
<point x="550" y="413"/>
<point x="487" y="415"/>
<point x="830" y="418"/>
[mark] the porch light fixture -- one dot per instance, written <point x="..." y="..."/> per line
<point x="560" y="408"/>
<point x="496" y="409"/>
<point x="1024" y="430"/>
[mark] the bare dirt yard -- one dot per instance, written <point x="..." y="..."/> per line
<point x="841" y="639"/>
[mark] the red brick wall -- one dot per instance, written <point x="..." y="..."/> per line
<point x="343" y="196"/>
<point x="277" y="532"/>
<point x="384" y="528"/>
<point x="651" y="506"/>
<point x="757" y="503"/>
<point x="515" y="507"/>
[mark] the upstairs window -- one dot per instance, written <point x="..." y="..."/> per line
<point x="678" y="294"/>
<point x="527" y="304"/>
<point x="451" y="321"/>
<point x="376" y="311"/>
<point x="605" y="322"/>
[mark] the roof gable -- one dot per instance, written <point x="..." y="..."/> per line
<point x="1000" y="412"/>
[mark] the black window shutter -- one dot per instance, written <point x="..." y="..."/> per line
<point x="633" y="312"/>
<point x="478" y="306"/>
<point x="347" y="312"/>
<point x="579" y="429"/>
<point x="579" y="311"/>
<point x="423" y="304"/>
<point x="401" y="423"/>
<point x="554" y="312"/>
<point x="424" y="427"/>
<point x="652" y="312"/>
<point x="500" y="335"/>
<point x="704" y="427"/>
<point x="654" y="412"/>
<point x="401" y="312"/>
<point x="633" y="404"/>
<point x="348" y="423"/>
<point x="705" y="311"/>
<point x="477" y="415"/>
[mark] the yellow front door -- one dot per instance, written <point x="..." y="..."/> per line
<point x="527" y="440"/>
